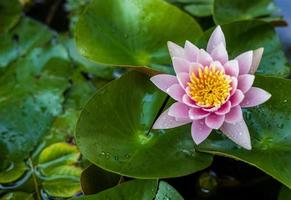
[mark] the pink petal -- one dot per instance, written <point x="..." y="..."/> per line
<point x="194" y="68"/>
<point x="225" y="108"/>
<point x="176" y="92"/>
<point x="258" y="53"/>
<point x="197" y="113"/>
<point x="236" y="98"/>
<point x="179" y="110"/>
<point x="231" y="68"/>
<point x="215" y="39"/>
<point x="220" y="53"/>
<point x="234" y="116"/>
<point x="245" y="82"/>
<point x="180" y="65"/>
<point x="199" y="131"/>
<point x="204" y="58"/>
<point x="166" y="121"/>
<point x="214" y="121"/>
<point x="188" y="101"/>
<point x="255" y="96"/>
<point x="164" y="81"/>
<point x="191" y="51"/>
<point x="233" y="84"/>
<point x="212" y="109"/>
<point x="188" y="91"/>
<point x="183" y="79"/>
<point x="217" y="65"/>
<point x="245" y="61"/>
<point x="175" y="50"/>
<point x="238" y="133"/>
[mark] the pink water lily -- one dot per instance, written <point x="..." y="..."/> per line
<point x="210" y="90"/>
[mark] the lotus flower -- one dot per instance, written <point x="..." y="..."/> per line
<point x="210" y="90"/>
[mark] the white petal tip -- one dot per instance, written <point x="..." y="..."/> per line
<point x="257" y="56"/>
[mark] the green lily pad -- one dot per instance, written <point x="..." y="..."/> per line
<point x="226" y="11"/>
<point x="10" y="12"/>
<point x="114" y="132"/>
<point x="88" y="66"/>
<point x="95" y="179"/>
<point x="254" y="35"/>
<point x="38" y="81"/>
<point x="133" y="32"/>
<point x="197" y="8"/>
<point x="166" y="191"/>
<point x="13" y="172"/>
<point x="131" y="190"/>
<point x="57" y="170"/>
<point x="58" y="154"/>
<point x="17" y="196"/>
<point x="26" y="35"/>
<point x="62" y="187"/>
<point x="62" y="181"/>
<point x="284" y="194"/>
<point x="269" y="126"/>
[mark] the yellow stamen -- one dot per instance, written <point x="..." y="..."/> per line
<point x="211" y="87"/>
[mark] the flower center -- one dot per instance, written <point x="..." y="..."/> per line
<point x="210" y="88"/>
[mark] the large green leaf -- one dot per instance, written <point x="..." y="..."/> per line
<point x="131" y="190"/>
<point x="13" y="172"/>
<point x="225" y="11"/>
<point x="114" y="132"/>
<point x="95" y="179"/>
<point x="62" y="187"/>
<point x="17" y="196"/>
<point x="133" y="32"/>
<point x="86" y="65"/>
<point x="166" y="191"/>
<point x="284" y="194"/>
<point x="9" y="14"/>
<point x="197" y="8"/>
<point x="58" y="154"/>
<point x="253" y="35"/>
<point x="22" y="38"/>
<point x="62" y="181"/>
<point x="57" y="170"/>
<point x="269" y="125"/>
<point x="38" y="81"/>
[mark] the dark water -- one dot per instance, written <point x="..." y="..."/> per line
<point x="285" y="32"/>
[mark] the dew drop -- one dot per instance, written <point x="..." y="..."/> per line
<point x="127" y="156"/>
<point x="116" y="158"/>
<point x="107" y="155"/>
<point x="280" y="125"/>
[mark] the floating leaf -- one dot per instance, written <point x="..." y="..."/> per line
<point x="226" y="11"/>
<point x="17" y="196"/>
<point x="88" y="66"/>
<point x="57" y="170"/>
<point x="197" y="8"/>
<point x="284" y="194"/>
<point x="133" y="32"/>
<point x="10" y="12"/>
<point x="95" y="179"/>
<point x="62" y="187"/>
<point x="131" y="190"/>
<point x="13" y="172"/>
<point x="24" y="37"/>
<point x="58" y="154"/>
<point x="38" y="81"/>
<point x="166" y="191"/>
